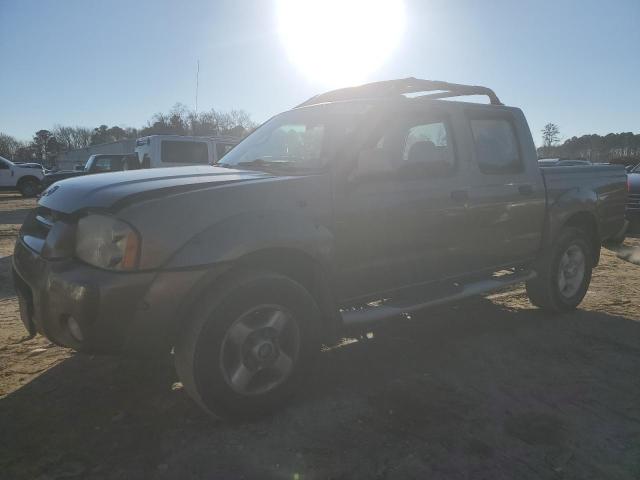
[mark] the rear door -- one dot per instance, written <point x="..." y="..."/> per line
<point x="506" y="191"/>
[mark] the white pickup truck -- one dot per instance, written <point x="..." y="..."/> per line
<point x="26" y="178"/>
<point x="177" y="150"/>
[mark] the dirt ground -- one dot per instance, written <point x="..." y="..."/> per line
<point x="488" y="389"/>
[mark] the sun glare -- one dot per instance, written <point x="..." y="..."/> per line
<point x="340" y="42"/>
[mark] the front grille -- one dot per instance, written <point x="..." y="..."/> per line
<point x="37" y="226"/>
<point x="633" y="201"/>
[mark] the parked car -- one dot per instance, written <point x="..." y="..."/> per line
<point x="176" y="150"/>
<point x="98" y="163"/>
<point x="25" y="178"/>
<point x="356" y="207"/>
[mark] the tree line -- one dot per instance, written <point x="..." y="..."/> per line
<point x="613" y="147"/>
<point x="180" y="120"/>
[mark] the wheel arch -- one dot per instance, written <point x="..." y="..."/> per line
<point x="587" y="222"/>
<point x="296" y="264"/>
<point x="25" y="178"/>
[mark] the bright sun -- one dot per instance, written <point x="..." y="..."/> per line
<point x="340" y="42"/>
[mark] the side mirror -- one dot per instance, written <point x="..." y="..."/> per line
<point x="79" y="168"/>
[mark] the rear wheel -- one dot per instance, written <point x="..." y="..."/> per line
<point x="564" y="272"/>
<point x="245" y="354"/>
<point x="29" y="188"/>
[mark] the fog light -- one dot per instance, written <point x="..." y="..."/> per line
<point x="74" y="329"/>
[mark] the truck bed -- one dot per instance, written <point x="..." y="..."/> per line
<point x="602" y="186"/>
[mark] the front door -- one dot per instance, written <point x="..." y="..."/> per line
<point x="398" y="220"/>
<point x="433" y="177"/>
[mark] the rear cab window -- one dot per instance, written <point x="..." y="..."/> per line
<point x="496" y="144"/>
<point x="175" y="151"/>
<point x="108" y="164"/>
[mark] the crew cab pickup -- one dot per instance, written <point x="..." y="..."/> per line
<point x="24" y="177"/>
<point x="356" y="207"/>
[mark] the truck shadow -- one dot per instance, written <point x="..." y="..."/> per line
<point x="480" y="388"/>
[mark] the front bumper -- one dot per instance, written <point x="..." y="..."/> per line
<point x="114" y="310"/>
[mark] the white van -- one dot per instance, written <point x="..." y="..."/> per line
<point x="157" y="151"/>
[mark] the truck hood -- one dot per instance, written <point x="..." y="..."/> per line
<point x="118" y="189"/>
<point x="28" y="165"/>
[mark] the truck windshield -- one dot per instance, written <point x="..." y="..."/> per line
<point x="299" y="139"/>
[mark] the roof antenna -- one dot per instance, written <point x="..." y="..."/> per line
<point x="197" y="78"/>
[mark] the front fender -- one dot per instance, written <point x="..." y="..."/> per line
<point x="242" y="234"/>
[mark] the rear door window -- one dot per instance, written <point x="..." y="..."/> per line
<point x="496" y="145"/>
<point x="427" y="148"/>
<point x="184" y="152"/>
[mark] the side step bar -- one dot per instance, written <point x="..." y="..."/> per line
<point x="376" y="313"/>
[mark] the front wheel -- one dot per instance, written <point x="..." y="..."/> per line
<point x="564" y="272"/>
<point x="29" y="188"/>
<point x="245" y="354"/>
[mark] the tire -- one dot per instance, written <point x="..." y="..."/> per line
<point x="231" y="356"/>
<point x="564" y="272"/>
<point x="29" y="188"/>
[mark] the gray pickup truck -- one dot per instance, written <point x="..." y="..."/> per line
<point x="360" y="205"/>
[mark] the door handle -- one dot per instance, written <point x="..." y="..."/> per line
<point x="460" y="195"/>
<point x="525" y="189"/>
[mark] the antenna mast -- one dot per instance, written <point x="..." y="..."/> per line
<point x="197" y="79"/>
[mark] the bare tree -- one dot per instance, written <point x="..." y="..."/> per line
<point x="9" y="146"/>
<point x="71" y="138"/>
<point x="64" y="135"/>
<point x="81" y="137"/>
<point x="182" y="121"/>
<point x="550" y="136"/>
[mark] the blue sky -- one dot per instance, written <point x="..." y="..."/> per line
<point x="90" y="62"/>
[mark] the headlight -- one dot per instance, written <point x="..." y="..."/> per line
<point x="107" y="242"/>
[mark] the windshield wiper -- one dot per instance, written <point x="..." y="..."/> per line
<point x="261" y="162"/>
